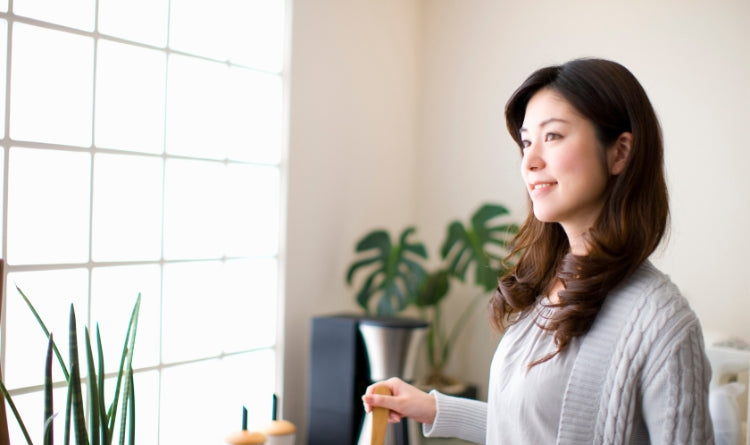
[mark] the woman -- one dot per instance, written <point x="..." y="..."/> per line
<point x="599" y="346"/>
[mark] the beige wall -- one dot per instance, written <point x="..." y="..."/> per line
<point x="396" y="118"/>
<point x="352" y="140"/>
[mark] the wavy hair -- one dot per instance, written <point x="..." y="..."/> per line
<point x="632" y="222"/>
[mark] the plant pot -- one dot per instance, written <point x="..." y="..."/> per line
<point x="448" y="385"/>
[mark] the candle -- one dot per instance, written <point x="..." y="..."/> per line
<point x="279" y="431"/>
<point x="245" y="437"/>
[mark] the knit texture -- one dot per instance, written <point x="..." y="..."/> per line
<point x="640" y="377"/>
<point x="458" y="417"/>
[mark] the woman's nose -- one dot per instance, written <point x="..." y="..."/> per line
<point x="532" y="159"/>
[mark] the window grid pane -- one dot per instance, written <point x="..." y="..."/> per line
<point x="74" y="13"/>
<point x="48" y="206"/>
<point x="51" y="77"/>
<point x="126" y="208"/>
<point x="144" y="160"/>
<point x="130" y="102"/>
<point x="125" y="19"/>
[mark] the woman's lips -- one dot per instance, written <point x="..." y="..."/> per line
<point x="538" y="188"/>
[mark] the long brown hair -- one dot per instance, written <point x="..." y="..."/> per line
<point x="631" y="224"/>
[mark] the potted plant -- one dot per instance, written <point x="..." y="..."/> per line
<point x="102" y="418"/>
<point x="398" y="277"/>
<point x="471" y="254"/>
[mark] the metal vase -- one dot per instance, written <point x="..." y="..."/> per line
<point x="392" y="346"/>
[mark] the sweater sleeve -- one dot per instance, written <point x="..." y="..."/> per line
<point x="675" y="399"/>
<point x="458" y="417"/>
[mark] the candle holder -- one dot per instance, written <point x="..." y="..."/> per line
<point x="245" y="437"/>
<point x="279" y="431"/>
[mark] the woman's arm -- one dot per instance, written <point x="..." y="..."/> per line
<point x="441" y="415"/>
<point x="675" y="393"/>
<point x="458" y="417"/>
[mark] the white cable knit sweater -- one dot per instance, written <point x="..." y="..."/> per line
<point x="640" y="377"/>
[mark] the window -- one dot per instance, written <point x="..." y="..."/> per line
<point x="142" y="153"/>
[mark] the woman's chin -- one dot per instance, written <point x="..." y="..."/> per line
<point x="545" y="217"/>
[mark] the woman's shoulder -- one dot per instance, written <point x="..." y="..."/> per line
<point x="649" y="301"/>
<point x="650" y="287"/>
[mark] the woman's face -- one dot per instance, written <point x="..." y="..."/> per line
<point x="564" y="167"/>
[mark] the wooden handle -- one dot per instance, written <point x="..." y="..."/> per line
<point x="379" y="418"/>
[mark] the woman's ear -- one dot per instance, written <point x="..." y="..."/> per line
<point x="619" y="153"/>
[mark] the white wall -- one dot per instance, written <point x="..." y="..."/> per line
<point x="694" y="61"/>
<point x="397" y="118"/>
<point x="351" y="155"/>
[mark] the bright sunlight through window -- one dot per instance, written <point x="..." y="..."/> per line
<point x="142" y="153"/>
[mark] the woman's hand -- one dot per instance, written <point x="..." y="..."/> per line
<point x="406" y="401"/>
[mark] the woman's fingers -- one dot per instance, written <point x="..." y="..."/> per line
<point x="406" y="401"/>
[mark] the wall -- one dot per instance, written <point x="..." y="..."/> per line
<point x="351" y="156"/>
<point x="396" y="117"/>
<point x="694" y="61"/>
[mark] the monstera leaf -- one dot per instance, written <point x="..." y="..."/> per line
<point x="394" y="271"/>
<point x="433" y="288"/>
<point x="474" y="246"/>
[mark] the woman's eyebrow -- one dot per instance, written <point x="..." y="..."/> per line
<point x="545" y="122"/>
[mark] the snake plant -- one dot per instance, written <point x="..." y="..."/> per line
<point x="101" y="418"/>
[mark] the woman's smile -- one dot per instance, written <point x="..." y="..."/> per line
<point x="538" y="189"/>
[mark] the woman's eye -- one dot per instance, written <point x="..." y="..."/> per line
<point x="525" y="143"/>
<point x="551" y="137"/>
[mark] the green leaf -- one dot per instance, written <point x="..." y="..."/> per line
<point x="393" y="271"/>
<point x="366" y="292"/>
<point x="79" y="418"/>
<point x="359" y="264"/>
<point x="48" y="399"/>
<point x="125" y="401"/>
<point x="129" y="396"/>
<point x="15" y="412"/>
<point x="412" y="274"/>
<point x="466" y="247"/>
<point x="131" y="410"/>
<point x="415" y="248"/>
<point x="126" y="363"/>
<point x="46" y="332"/>
<point x="433" y="288"/>
<point x="104" y="434"/>
<point x="377" y="240"/>
<point x="68" y="410"/>
<point x="487" y="212"/>
<point x="93" y="393"/>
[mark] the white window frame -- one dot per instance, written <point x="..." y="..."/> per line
<point x="90" y="265"/>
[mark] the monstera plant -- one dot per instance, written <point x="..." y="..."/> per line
<point x="479" y="246"/>
<point x="398" y="277"/>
